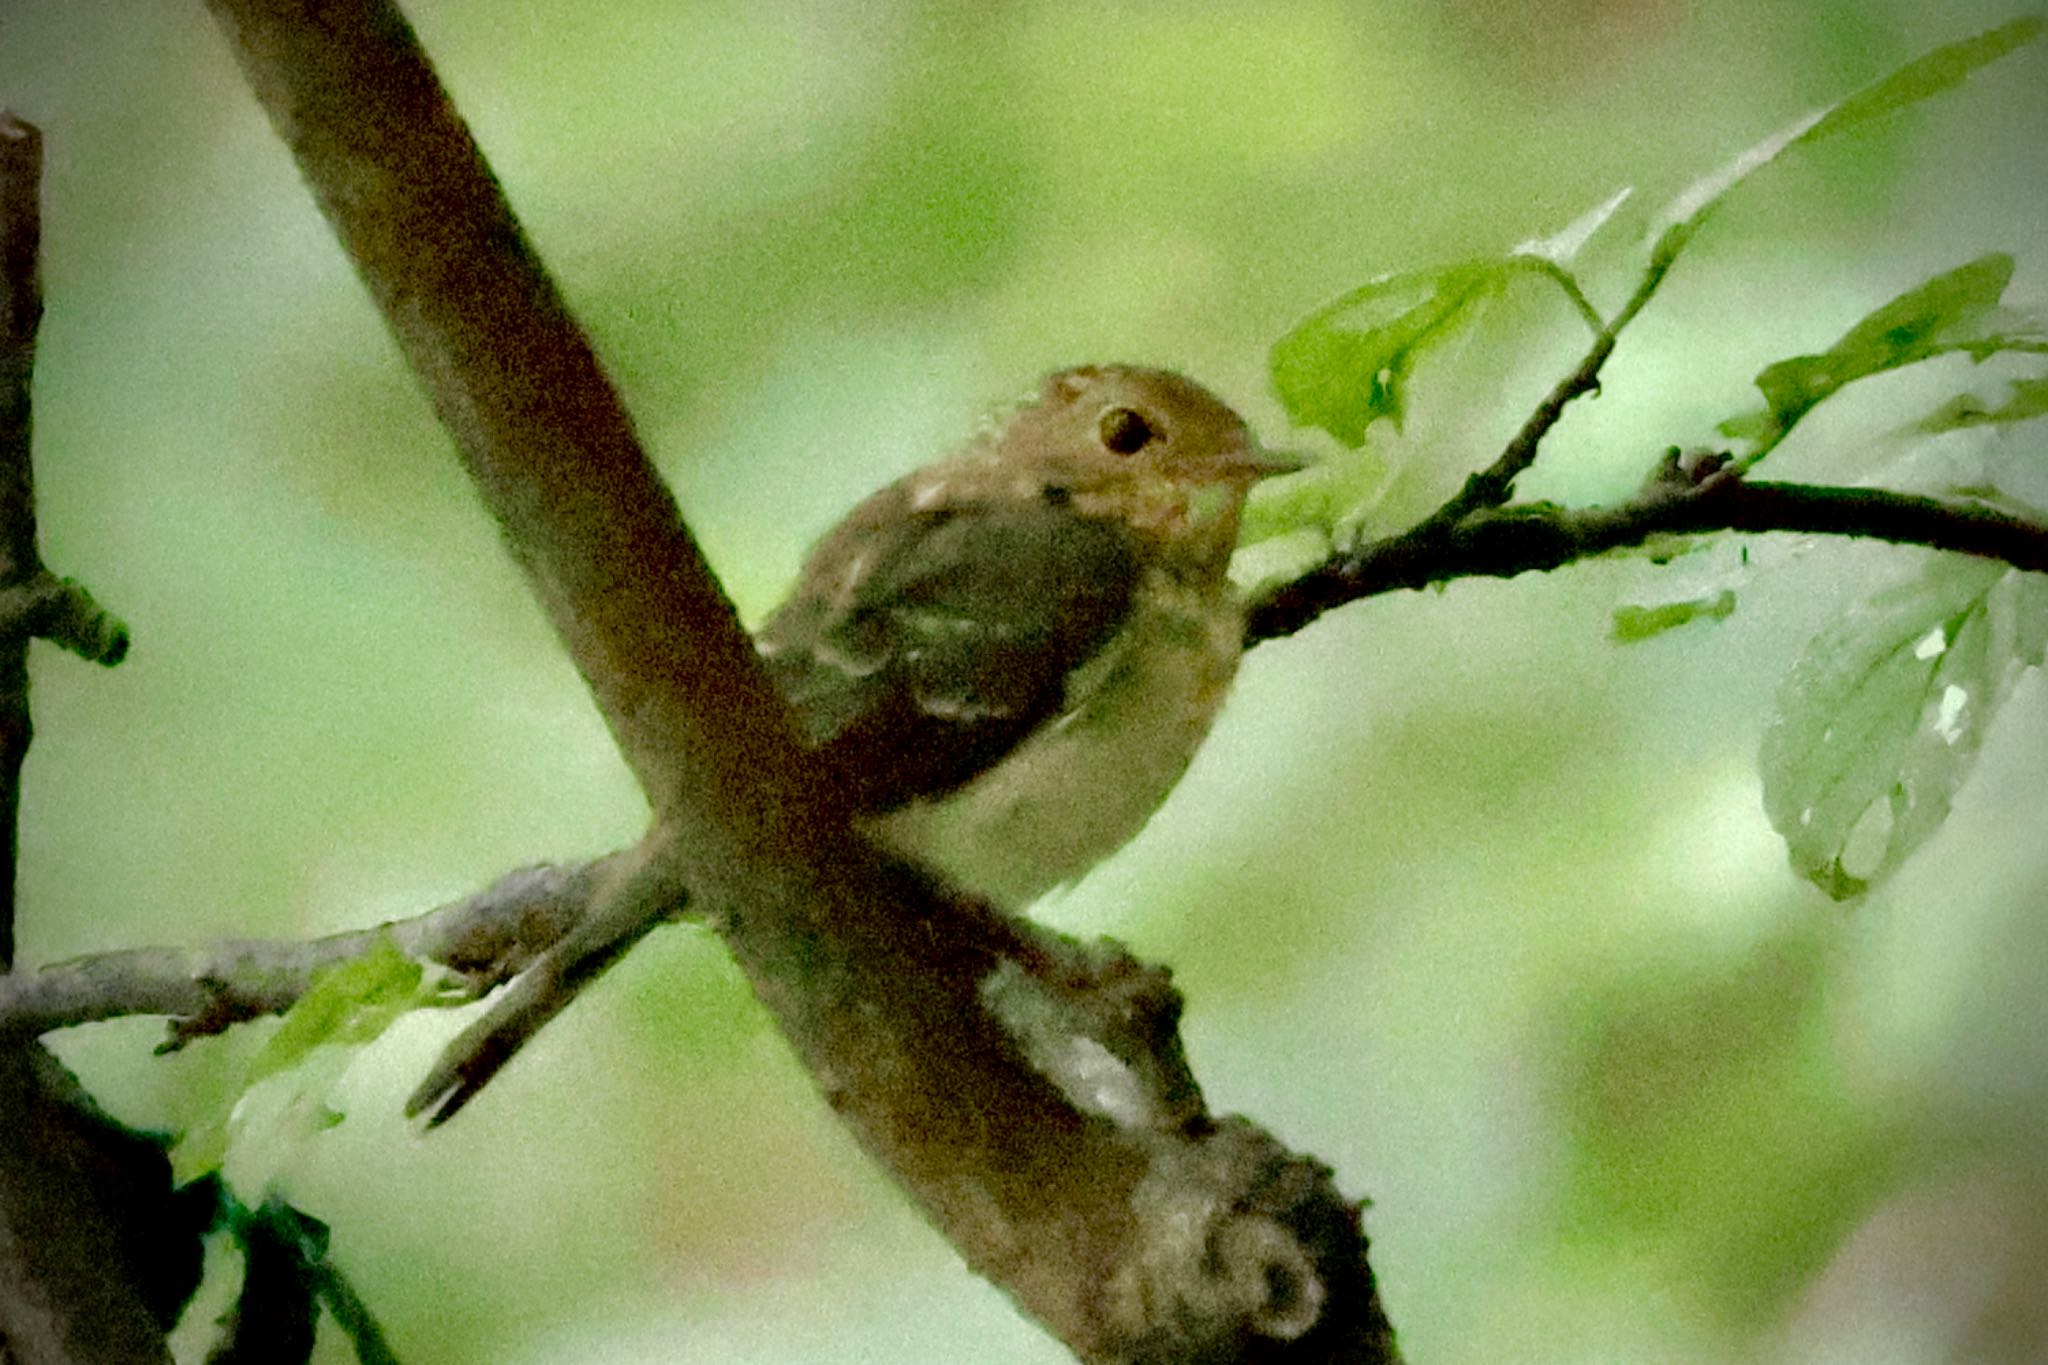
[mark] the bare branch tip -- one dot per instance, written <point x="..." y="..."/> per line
<point x="462" y="1070"/>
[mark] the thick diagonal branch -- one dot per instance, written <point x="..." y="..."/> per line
<point x="1180" y="1239"/>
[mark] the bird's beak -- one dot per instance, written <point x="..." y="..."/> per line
<point x="1263" y="462"/>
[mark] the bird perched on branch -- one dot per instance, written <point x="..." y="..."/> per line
<point x="1005" y="659"/>
<point x="1009" y="657"/>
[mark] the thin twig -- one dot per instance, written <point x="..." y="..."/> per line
<point x="638" y="892"/>
<point x="1569" y="283"/>
<point x="73" y="1284"/>
<point x="1491" y="487"/>
<point x="63" y="612"/>
<point x="492" y="936"/>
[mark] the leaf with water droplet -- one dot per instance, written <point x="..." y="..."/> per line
<point x="1881" y="720"/>
<point x="1347" y="364"/>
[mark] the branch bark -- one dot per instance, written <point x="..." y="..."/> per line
<point x="21" y="312"/>
<point x="1505" y="542"/>
<point x="486" y="939"/>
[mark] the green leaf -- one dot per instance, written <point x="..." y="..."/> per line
<point x="1924" y="76"/>
<point x="351" y="1002"/>
<point x="199" y="1151"/>
<point x="1936" y="317"/>
<point x="1636" y="623"/>
<point x="1913" y="325"/>
<point x="2028" y="400"/>
<point x="348" y="1004"/>
<point x="1939" y="70"/>
<point x="1347" y="364"/>
<point x="1757" y="427"/>
<point x="1880" y="721"/>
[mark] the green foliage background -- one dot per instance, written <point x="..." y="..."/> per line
<point x="1467" y="899"/>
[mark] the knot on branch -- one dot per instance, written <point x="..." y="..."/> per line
<point x="225" y="1002"/>
<point x="1684" y="473"/>
<point x="1240" y="1243"/>
<point x="1238" y="1249"/>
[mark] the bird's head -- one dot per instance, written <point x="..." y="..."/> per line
<point x="1149" y="445"/>
<point x="1108" y="425"/>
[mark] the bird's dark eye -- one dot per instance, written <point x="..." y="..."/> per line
<point x="1125" y="432"/>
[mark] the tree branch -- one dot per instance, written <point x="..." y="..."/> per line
<point x="93" y="1260"/>
<point x="1137" y="1232"/>
<point x="63" y="612"/>
<point x="1142" y="1229"/>
<point x="21" y="311"/>
<point x="1491" y="486"/>
<point x="492" y="936"/>
<point x="487" y="939"/>
<point x="1533" y="537"/>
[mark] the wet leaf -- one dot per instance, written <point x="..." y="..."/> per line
<point x="1881" y="720"/>
<point x="1347" y="364"/>
<point x="2027" y="400"/>
<point x="1936" y="317"/>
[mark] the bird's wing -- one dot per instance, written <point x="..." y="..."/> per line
<point x="923" y="645"/>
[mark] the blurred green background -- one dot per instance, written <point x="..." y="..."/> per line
<point x="1474" y="904"/>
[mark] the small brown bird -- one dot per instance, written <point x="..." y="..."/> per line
<point x="1010" y="656"/>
